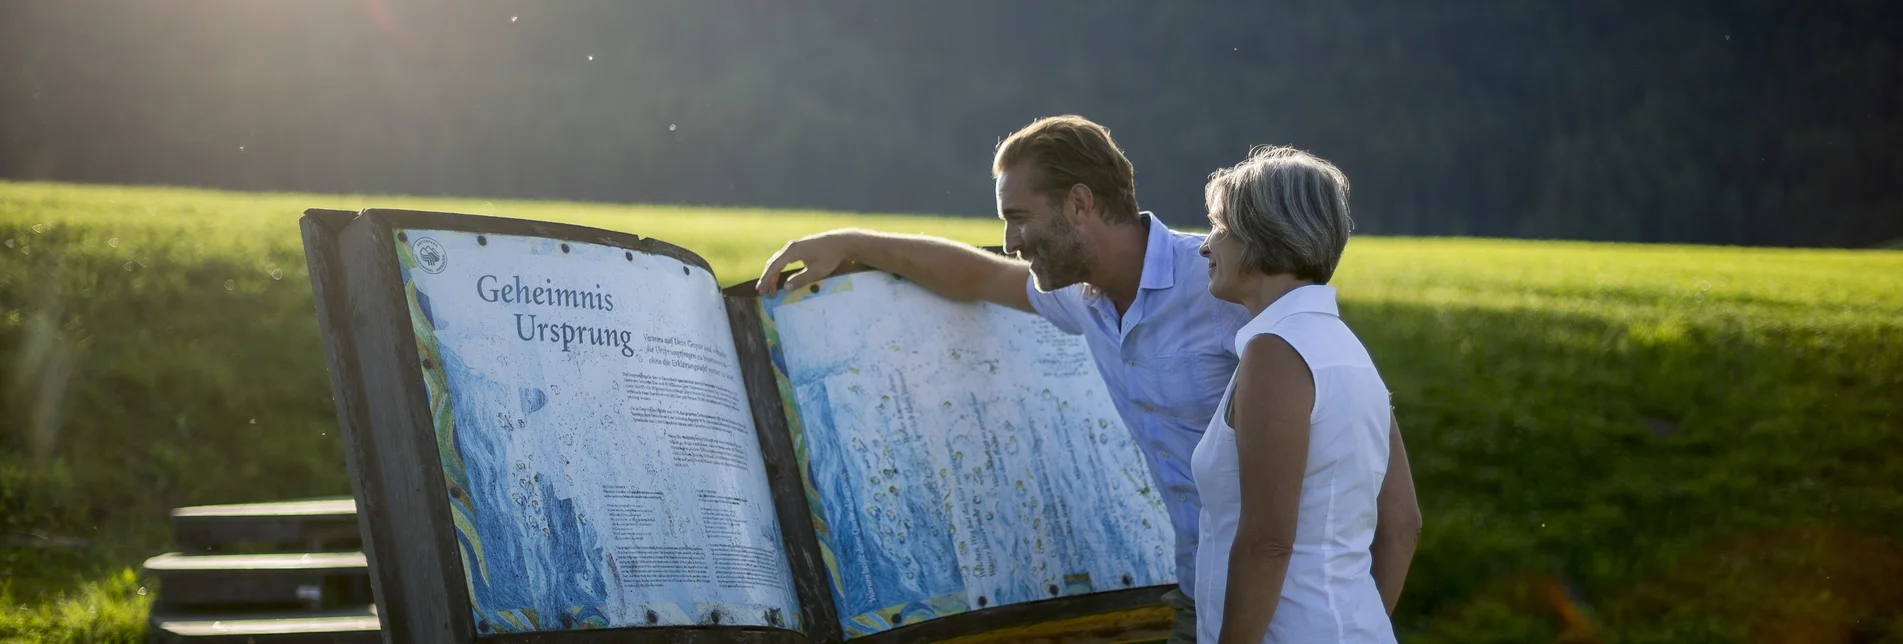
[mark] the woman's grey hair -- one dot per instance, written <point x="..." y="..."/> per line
<point x="1289" y="209"/>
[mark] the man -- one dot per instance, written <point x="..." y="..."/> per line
<point x="1090" y="263"/>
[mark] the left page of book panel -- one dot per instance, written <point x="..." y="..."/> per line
<point x="601" y="461"/>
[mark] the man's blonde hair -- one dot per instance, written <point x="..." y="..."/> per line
<point x="1069" y="150"/>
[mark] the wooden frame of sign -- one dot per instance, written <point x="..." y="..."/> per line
<point x="404" y="503"/>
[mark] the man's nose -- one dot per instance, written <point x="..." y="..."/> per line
<point x="1012" y="241"/>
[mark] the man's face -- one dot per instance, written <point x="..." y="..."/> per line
<point x="1037" y="229"/>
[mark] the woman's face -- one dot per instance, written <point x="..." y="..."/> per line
<point x="1224" y="252"/>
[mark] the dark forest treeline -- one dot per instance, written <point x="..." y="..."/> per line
<point x="1741" y="122"/>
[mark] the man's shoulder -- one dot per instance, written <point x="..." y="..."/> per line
<point x="1176" y="235"/>
<point x="1188" y="240"/>
<point x="1185" y="247"/>
<point x="1190" y="297"/>
<point x="1189" y="267"/>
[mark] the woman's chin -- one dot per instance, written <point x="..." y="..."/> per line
<point x="1219" y="289"/>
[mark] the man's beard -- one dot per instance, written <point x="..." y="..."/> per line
<point x="1062" y="261"/>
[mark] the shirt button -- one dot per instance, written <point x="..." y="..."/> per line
<point x="1129" y="363"/>
<point x="1182" y="497"/>
<point x="1163" y="455"/>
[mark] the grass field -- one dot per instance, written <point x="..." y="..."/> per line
<point x="1612" y="442"/>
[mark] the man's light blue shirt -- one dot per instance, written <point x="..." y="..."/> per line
<point x="1166" y="361"/>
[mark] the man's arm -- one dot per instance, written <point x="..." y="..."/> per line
<point x="953" y="270"/>
<point x="1398" y="527"/>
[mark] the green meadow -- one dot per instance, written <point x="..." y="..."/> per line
<point x="1612" y="442"/>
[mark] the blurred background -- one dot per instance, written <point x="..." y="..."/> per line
<point x="1634" y="270"/>
<point x="1744" y="122"/>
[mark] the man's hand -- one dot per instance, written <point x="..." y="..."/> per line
<point x="822" y="254"/>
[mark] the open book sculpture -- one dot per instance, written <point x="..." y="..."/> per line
<point x="558" y="433"/>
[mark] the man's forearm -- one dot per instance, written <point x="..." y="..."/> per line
<point x="951" y="269"/>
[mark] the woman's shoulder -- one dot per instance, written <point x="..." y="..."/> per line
<point x="1322" y="340"/>
<point x="1284" y="316"/>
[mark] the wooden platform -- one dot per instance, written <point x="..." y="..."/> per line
<point x="317" y="525"/>
<point x="306" y="627"/>
<point x="264" y="580"/>
<point x="265" y="573"/>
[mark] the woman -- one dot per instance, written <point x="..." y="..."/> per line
<point x="1309" y="519"/>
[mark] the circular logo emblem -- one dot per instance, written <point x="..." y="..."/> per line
<point x="430" y="255"/>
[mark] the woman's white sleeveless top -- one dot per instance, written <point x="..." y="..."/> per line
<point x="1329" y="594"/>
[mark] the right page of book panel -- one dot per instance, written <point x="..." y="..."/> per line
<point x="957" y="456"/>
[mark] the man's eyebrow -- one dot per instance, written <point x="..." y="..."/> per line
<point x="1014" y="211"/>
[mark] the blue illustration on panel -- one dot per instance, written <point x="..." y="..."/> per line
<point x="531" y="565"/>
<point x="883" y="564"/>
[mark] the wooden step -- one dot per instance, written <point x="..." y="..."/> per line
<point x="349" y="626"/>
<point x="313" y="525"/>
<point x="289" y="580"/>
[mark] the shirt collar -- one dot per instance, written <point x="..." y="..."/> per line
<point x="1159" y="256"/>
<point x="1313" y="298"/>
